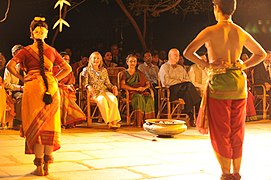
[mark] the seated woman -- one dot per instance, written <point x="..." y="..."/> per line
<point x="71" y="114"/>
<point x="7" y="112"/>
<point x="135" y="82"/>
<point x="99" y="86"/>
<point x="2" y="104"/>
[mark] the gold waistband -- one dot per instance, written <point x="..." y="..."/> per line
<point x="214" y="71"/>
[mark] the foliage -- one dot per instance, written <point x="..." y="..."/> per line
<point x="153" y="8"/>
<point x="61" y="21"/>
<point x="196" y="6"/>
<point x="156" y="7"/>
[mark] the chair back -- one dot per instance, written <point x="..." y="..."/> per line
<point x="165" y="107"/>
<point x="259" y="91"/>
<point x="81" y="90"/>
<point x="113" y="74"/>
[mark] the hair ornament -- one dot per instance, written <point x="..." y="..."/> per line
<point x="40" y="33"/>
<point x="39" y="18"/>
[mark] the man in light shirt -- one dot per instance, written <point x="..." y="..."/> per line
<point x="175" y="76"/>
<point x="13" y="84"/>
<point x="151" y="72"/>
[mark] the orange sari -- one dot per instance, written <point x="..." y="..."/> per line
<point x="41" y="123"/>
<point x="70" y="113"/>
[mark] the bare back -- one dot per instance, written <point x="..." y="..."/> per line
<point x="225" y="43"/>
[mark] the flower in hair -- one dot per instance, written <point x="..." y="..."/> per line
<point x="40" y="33"/>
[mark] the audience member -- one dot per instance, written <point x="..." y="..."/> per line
<point x="69" y="52"/>
<point x="78" y="66"/>
<point x="163" y="55"/>
<point x="155" y="59"/>
<point x="176" y="77"/>
<point x="151" y="73"/>
<point x="13" y="84"/>
<point x="116" y="55"/>
<point x="198" y="75"/>
<point x="181" y="62"/>
<point x="2" y="64"/>
<point x="99" y="86"/>
<point x="262" y="76"/>
<point x="139" y="58"/>
<point x="2" y="105"/>
<point x="108" y="60"/>
<point x="70" y="113"/>
<point x="150" y="70"/>
<point x="136" y="83"/>
<point x="250" y="108"/>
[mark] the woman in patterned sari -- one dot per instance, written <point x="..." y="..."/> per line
<point x="135" y="82"/>
<point x="70" y="113"/>
<point x="41" y="100"/>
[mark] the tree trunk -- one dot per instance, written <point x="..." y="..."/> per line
<point x="134" y="24"/>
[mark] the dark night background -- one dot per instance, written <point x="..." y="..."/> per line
<point x="96" y="25"/>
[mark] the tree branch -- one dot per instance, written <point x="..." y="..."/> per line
<point x="157" y="12"/>
<point x="133" y="22"/>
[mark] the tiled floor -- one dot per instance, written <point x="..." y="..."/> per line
<point x="98" y="153"/>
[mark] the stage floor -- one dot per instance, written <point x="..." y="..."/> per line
<point x="97" y="153"/>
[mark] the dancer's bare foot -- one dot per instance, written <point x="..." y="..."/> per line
<point x="38" y="171"/>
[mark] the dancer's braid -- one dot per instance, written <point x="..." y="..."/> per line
<point x="47" y="97"/>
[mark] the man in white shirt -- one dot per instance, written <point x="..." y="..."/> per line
<point x="150" y="70"/>
<point x="13" y="84"/>
<point x="174" y="75"/>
